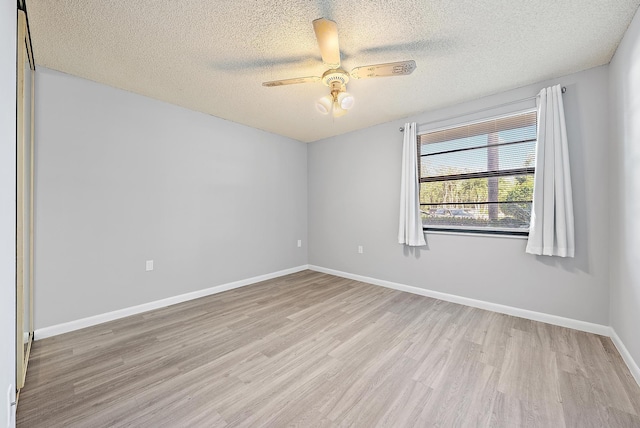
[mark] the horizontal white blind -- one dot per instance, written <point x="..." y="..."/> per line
<point x="479" y="175"/>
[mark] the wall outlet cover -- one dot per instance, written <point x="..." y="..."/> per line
<point x="149" y="265"/>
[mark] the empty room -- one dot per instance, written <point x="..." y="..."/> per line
<point x="320" y="213"/>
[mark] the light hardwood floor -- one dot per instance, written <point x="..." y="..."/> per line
<point x="314" y="350"/>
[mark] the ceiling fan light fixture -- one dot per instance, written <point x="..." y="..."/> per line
<point x="338" y="111"/>
<point x="339" y="101"/>
<point x="345" y="100"/>
<point x="324" y="104"/>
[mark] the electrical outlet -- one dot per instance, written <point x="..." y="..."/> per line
<point x="360" y="249"/>
<point x="299" y="243"/>
<point x="149" y="265"/>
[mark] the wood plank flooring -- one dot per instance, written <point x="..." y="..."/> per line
<point x="314" y="350"/>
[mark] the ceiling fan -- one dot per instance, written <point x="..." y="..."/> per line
<point x="339" y="101"/>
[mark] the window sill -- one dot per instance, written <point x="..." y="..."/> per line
<point x="485" y="234"/>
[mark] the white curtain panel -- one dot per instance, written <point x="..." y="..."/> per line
<point x="410" y="232"/>
<point x="551" y="231"/>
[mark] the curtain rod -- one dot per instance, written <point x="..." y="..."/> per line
<point x="564" y="89"/>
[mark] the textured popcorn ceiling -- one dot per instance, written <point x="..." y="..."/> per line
<point x="212" y="56"/>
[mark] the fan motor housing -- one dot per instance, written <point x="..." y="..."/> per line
<point x="336" y="75"/>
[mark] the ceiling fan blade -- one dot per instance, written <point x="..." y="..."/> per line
<point x="327" y="36"/>
<point x="382" y="70"/>
<point x="291" y="81"/>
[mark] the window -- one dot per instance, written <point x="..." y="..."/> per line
<point x="479" y="177"/>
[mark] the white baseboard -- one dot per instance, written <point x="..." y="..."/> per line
<point x="626" y="355"/>
<point x="495" y="307"/>
<point x="54" y="330"/>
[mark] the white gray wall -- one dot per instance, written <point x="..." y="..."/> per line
<point x="354" y="196"/>
<point x="624" y="77"/>
<point x="8" y="27"/>
<point x="122" y="178"/>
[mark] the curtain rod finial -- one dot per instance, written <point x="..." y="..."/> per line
<point x="402" y="129"/>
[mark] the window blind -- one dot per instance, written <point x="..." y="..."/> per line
<point x="479" y="175"/>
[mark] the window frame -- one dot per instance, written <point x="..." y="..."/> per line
<point x="469" y="230"/>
